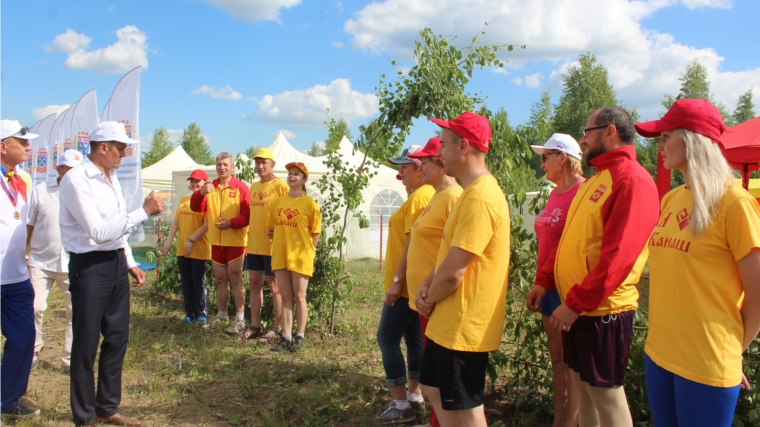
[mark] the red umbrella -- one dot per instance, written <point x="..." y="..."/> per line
<point x="741" y="147"/>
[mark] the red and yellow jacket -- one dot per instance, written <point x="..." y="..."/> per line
<point x="603" y="248"/>
<point x="233" y="203"/>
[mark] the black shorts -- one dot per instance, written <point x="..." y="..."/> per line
<point x="460" y="376"/>
<point x="259" y="263"/>
<point x="598" y="348"/>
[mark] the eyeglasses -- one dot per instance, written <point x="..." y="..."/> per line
<point x="23" y="131"/>
<point x="405" y="152"/>
<point x="593" y="128"/>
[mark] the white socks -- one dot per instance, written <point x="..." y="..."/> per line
<point x="222" y="315"/>
<point x="401" y="404"/>
<point x="414" y="397"/>
<point x="240" y="317"/>
<point x="300" y="334"/>
<point x="288" y="337"/>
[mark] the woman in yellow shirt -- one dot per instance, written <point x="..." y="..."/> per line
<point x="704" y="297"/>
<point x="193" y="252"/>
<point x="294" y="225"/>
<point x="397" y="319"/>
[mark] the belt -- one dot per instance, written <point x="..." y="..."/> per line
<point x="116" y="251"/>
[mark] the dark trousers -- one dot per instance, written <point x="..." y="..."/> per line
<point x="100" y="302"/>
<point x="397" y="322"/>
<point x="192" y="274"/>
<point x="17" y="320"/>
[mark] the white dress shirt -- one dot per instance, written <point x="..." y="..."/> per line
<point x="93" y="212"/>
<point x="47" y="252"/>
<point x="13" y="267"/>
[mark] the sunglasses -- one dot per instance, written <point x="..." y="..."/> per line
<point x="23" y="131"/>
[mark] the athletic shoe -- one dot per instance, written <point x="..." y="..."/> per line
<point x="236" y="327"/>
<point x="215" y="323"/>
<point x="22" y="411"/>
<point x="66" y="368"/>
<point x="282" y="345"/>
<point x="187" y="320"/>
<point x="418" y="407"/>
<point x="201" y="319"/>
<point x="297" y="343"/>
<point x="393" y="415"/>
<point x="35" y="359"/>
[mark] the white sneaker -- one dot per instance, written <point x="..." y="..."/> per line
<point x="215" y="323"/>
<point x="236" y="327"/>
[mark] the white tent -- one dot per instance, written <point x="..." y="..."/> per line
<point x="158" y="176"/>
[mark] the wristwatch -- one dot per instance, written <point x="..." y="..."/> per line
<point x="190" y="240"/>
<point x="396" y="279"/>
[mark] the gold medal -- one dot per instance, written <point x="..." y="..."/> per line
<point x="16" y="215"/>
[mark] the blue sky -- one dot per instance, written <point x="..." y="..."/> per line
<point x="245" y="69"/>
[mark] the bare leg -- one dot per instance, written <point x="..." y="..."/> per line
<point x="235" y="273"/>
<point x="475" y="417"/>
<point x="612" y="406"/>
<point x="565" y="393"/>
<point x="222" y="288"/>
<point x="256" y="284"/>
<point x="587" y="414"/>
<point x="276" y="301"/>
<point x="286" y="292"/>
<point x="299" y="284"/>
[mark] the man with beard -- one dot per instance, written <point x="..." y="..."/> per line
<point x="599" y="261"/>
<point x="94" y="230"/>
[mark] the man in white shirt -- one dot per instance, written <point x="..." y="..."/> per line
<point x="16" y="293"/>
<point x="48" y="262"/>
<point x="94" y="230"/>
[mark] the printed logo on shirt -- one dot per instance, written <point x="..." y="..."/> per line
<point x="664" y="220"/>
<point x="549" y="219"/>
<point x="598" y="193"/>
<point x="290" y="213"/>
<point x="683" y="219"/>
<point x="233" y="193"/>
<point x="262" y="194"/>
<point x="669" y="242"/>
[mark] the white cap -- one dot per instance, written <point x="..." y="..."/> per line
<point x="402" y="159"/>
<point x="110" y="131"/>
<point x="72" y="158"/>
<point x="560" y="142"/>
<point x="9" y="128"/>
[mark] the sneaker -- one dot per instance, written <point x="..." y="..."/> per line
<point x="66" y="368"/>
<point x="201" y="319"/>
<point x="236" y="327"/>
<point x="215" y="323"/>
<point x="187" y="320"/>
<point x="35" y="359"/>
<point x="392" y="415"/>
<point x="22" y="411"/>
<point x="283" y="344"/>
<point x="297" y="343"/>
<point x="419" y="407"/>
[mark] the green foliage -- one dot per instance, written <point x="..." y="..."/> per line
<point x="745" y="108"/>
<point x="508" y="156"/>
<point x="168" y="282"/>
<point x="335" y="132"/>
<point x="384" y="146"/>
<point x="695" y="85"/>
<point x="160" y="147"/>
<point x="195" y="145"/>
<point x="584" y="89"/>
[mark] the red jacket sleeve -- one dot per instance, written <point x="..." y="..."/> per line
<point x="545" y="272"/>
<point x="198" y="202"/>
<point x="244" y="217"/>
<point x="630" y="214"/>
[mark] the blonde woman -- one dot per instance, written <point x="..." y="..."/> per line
<point x="294" y="225"/>
<point x="704" y="300"/>
<point x="193" y="252"/>
<point x="561" y="161"/>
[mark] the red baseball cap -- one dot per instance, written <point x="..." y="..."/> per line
<point x="199" y="175"/>
<point x="696" y="115"/>
<point x="430" y="150"/>
<point x="470" y="126"/>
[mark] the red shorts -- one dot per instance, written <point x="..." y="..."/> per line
<point x="224" y="255"/>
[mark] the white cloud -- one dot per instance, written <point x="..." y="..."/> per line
<point x="306" y="108"/>
<point x="111" y="8"/>
<point x="288" y="134"/>
<point x="68" y="42"/>
<point x="226" y="92"/>
<point x="642" y="64"/>
<point x="339" y="45"/>
<point x="42" y="112"/>
<point x="533" y="80"/>
<point x="254" y="10"/>
<point x="129" y="51"/>
<point x="501" y="70"/>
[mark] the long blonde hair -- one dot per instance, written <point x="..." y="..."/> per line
<point x="709" y="174"/>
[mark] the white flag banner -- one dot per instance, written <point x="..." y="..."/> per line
<point x="42" y="164"/>
<point x="84" y="117"/>
<point x="54" y="146"/>
<point x="124" y="107"/>
<point x="64" y="131"/>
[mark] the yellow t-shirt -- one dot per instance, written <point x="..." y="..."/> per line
<point x="399" y="226"/>
<point x="472" y="317"/>
<point x="189" y="222"/>
<point x="294" y="221"/>
<point x="262" y="196"/>
<point x="695" y="291"/>
<point x="425" y="239"/>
